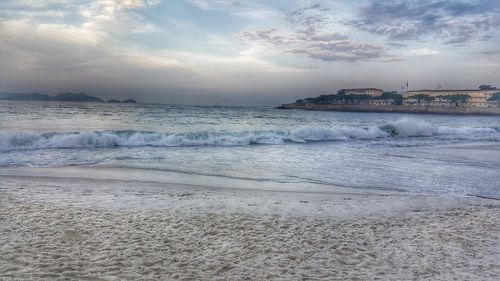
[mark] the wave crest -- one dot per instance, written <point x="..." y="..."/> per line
<point x="403" y="128"/>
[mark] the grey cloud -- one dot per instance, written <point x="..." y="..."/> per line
<point x="304" y="10"/>
<point x="323" y="37"/>
<point x="309" y="18"/>
<point x="450" y="21"/>
<point x="397" y="45"/>
<point x="316" y="45"/>
<point x="486" y="38"/>
<point x="342" y="50"/>
<point x="458" y="39"/>
<point x="267" y="36"/>
<point x="490" y="52"/>
<point x="326" y="46"/>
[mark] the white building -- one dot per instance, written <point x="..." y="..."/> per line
<point x="477" y="98"/>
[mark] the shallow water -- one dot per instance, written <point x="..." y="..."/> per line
<point x="417" y="154"/>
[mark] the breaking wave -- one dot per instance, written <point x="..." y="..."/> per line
<point x="404" y="128"/>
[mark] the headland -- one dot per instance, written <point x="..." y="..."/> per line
<point x="484" y="101"/>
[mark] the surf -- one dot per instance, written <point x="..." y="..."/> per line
<point x="404" y="128"/>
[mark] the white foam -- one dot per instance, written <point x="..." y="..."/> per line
<point x="413" y="128"/>
<point x="403" y="128"/>
<point x="322" y="134"/>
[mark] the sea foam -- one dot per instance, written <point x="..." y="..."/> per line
<point x="404" y="128"/>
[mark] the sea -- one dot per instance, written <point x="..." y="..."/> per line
<point x="251" y="147"/>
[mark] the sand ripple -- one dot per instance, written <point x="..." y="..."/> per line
<point x="45" y="242"/>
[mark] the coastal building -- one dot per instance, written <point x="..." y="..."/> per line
<point x="468" y="98"/>
<point x="364" y="91"/>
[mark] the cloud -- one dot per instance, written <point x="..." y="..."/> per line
<point x="66" y="50"/>
<point x="266" y="36"/>
<point x="342" y="50"/>
<point x="137" y="3"/>
<point x="116" y="16"/>
<point x="258" y="14"/>
<point x="112" y="16"/>
<point x="313" y="35"/>
<point x="251" y="10"/>
<point x="307" y="20"/>
<point x="48" y="11"/>
<point x="301" y="12"/>
<point x="489" y="52"/>
<point x="320" y="46"/>
<point x="486" y="38"/>
<point x="449" y="21"/>
<point x="214" y="4"/>
<point x="422" y="52"/>
<point x="397" y="45"/>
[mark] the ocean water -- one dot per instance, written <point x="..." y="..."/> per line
<point x="257" y="146"/>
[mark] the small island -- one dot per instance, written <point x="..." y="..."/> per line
<point x="129" y="101"/>
<point x="484" y="100"/>
<point x="124" y="101"/>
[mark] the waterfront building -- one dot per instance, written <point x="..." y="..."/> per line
<point x="470" y="98"/>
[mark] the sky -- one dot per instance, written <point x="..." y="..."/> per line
<point x="239" y="52"/>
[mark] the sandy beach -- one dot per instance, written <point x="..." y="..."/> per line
<point x="45" y="241"/>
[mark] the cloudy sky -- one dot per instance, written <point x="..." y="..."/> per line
<point x="245" y="52"/>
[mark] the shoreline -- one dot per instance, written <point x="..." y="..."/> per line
<point x="103" y="223"/>
<point x="115" y="191"/>
<point x="481" y="111"/>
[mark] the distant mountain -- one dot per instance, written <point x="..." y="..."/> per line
<point x="24" y="96"/>
<point x="71" y="97"/>
<point x="80" y="97"/>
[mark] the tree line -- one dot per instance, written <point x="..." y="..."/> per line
<point x="341" y="96"/>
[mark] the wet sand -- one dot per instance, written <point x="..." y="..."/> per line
<point x="43" y="241"/>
